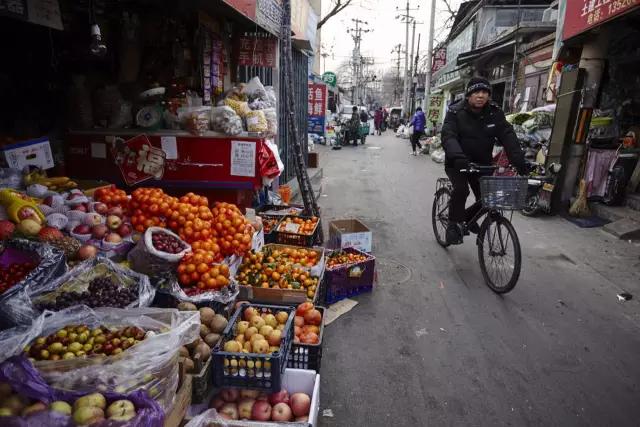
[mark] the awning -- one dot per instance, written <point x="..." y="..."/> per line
<point x="472" y="55"/>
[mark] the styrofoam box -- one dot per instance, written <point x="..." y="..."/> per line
<point x="36" y="152"/>
<point x="294" y="381"/>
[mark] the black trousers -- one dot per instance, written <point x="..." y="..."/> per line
<point x="461" y="183"/>
<point x="415" y="139"/>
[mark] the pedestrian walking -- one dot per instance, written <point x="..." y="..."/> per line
<point x="377" y="120"/>
<point x="471" y="127"/>
<point x="419" y="121"/>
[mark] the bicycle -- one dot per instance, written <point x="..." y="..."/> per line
<point x="497" y="238"/>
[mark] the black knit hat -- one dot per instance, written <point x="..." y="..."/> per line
<point x="476" y="84"/>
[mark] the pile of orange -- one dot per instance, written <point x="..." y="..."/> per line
<point x="112" y="197"/>
<point x="198" y="270"/>
<point x="306" y="226"/>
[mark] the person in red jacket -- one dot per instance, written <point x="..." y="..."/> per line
<point x="471" y="128"/>
<point x="377" y="120"/>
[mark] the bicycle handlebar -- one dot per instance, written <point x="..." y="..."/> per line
<point x="473" y="168"/>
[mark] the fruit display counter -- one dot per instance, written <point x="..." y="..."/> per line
<point x="124" y="305"/>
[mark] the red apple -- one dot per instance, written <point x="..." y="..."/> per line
<point x="6" y="229"/>
<point x="300" y="404"/>
<point x="298" y="321"/>
<point x="281" y="412"/>
<point x="217" y="402"/>
<point x="113" y="221"/>
<point x="281" y="396"/>
<point x="113" y="238"/>
<point x="99" y="231"/>
<point x="261" y="411"/>
<point x="303" y="308"/>
<point x="230" y="394"/>
<point x="80" y="208"/>
<point x="100" y="208"/>
<point x="82" y="229"/>
<point x="313" y="317"/>
<point x="275" y="338"/>
<point x="116" y="210"/>
<point x="124" y="230"/>
<point x="263" y="396"/>
<point x="48" y="201"/>
<point x="75" y="195"/>
<point x="244" y="407"/>
<point x="229" y="411"/>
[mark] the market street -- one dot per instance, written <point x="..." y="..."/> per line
<point x="432" y="345"/>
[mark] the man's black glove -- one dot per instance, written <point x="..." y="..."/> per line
<point x="461" y="163"/>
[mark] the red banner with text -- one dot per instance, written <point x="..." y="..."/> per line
<point x="582" y="15"/>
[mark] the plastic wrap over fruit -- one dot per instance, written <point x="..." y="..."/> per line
<point x="26" y="381"/>
<point x="256" y="121"/>
<point x="146" y="259"/>
<point x="25" y="306"/>
<point x="52" y="265"/>
<point x="150" y="365"/>
<point x="211" y="417"/>
<point x="224" y="119"/>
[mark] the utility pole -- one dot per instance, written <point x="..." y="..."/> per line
<point x="407" y="18"/>
<point x="432" y="20"/>
<point x="397" y="49"/>
<point x="356" y="60"/>
<point x="413" y="76"/>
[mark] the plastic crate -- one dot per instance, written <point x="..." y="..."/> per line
<point x="270" y="237"/>
<point x="162" y="300"/>
<point x="267" y="370"/>
<point x="285" y="238"/>
<point x="349" y="280"/>
<point x="307" y="356"/>
<point x="267" y="208"/>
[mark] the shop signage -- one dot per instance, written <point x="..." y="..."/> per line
<point x="40" y="12"/>
<point x="138" y="160"/>
<point x="439" y="59"/>
<point x="256" y="51"/>
<point x="434" y="108"/>
<point x="317" y="107"/>
<point x="14" y="9"/>
<point x="582" y="15"/>
<point x="330" y="78"/>
<point x="246" y="7"/>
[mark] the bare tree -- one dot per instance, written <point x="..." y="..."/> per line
<point x="450" y="12"/>
<point x="338" y="6"/>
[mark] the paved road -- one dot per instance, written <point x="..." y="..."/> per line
<point x="432" y="345"/>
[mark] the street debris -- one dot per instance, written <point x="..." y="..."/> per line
<point x="421" y="332"/>
<point x="338" y="309"/>
<point x="327" y="413"/>
<point x="624" y="296"/>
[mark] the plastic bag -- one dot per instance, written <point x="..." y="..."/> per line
<point x="272" y="121"/>
<point x="152" y="364"/>
<point x="241" y="108"/>
<point x="255" y="89"/>
<point x="271" y="97"/>
<point x="26" y="381"/>
<point x="224" y="119"/>
<point x="438" y="155"/>
<point x="256" y="121"/>
<point x="52" y="265"/>
<point x="145" y="258"/>
<point x="78" y="279"/>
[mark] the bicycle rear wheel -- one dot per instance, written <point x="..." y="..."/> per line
<point x="440" y="215"/>
<point x="499" y="253"/>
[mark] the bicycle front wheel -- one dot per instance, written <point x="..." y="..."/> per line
<point x="440" y="215"/>
<point x="499" y="253"/>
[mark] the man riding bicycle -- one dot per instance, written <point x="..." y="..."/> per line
<point x="471" y="128"/>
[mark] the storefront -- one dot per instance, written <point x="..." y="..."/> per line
<point x="599" y="140"/>
<point x="198" y="83"/>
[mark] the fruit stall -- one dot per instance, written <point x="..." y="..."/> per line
<point x="135" y="304"/>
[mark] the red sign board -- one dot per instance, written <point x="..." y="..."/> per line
<point x="138" y="160"/>
<point x="439" y="59"/>
<point x="257" y="52"/>
<point x="582" y="15"/>
<point x="317" y="99"/>
<point x="246" y="7"/>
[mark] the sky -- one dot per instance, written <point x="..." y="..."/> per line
<point x="387" y="31"/>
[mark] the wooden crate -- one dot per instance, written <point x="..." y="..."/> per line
<point x="182" y="402"/>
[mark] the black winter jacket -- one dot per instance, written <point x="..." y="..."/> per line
<point x="473" y="135"/>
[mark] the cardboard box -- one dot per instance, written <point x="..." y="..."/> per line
<point x="181" y="404"/>
<point x="35" y="152"/>
<point x="294" y="381"/>
<point x="312" y="160"/>
<point x="344" y="233"/>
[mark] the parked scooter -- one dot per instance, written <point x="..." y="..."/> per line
<point x="541" y="184"/>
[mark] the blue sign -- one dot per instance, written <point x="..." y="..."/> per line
<point x="316" y="125"/>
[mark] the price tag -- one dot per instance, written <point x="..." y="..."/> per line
<point x="292" y="227"/>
